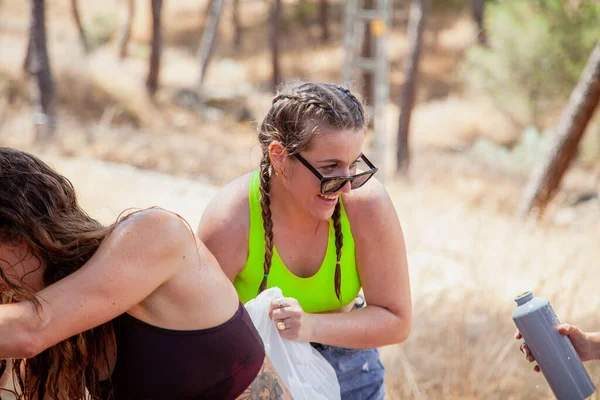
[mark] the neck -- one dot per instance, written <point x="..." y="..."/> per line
<point x="286" y="209"/>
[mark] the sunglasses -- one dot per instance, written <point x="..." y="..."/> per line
<point x="332" y="184"/>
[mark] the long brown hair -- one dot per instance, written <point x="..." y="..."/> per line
<point x="295" y="116"/>
<point x="38" y="207"/>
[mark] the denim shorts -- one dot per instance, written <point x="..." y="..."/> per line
<point x="359" y="371"/>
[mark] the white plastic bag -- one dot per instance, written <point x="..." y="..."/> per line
<point x="303" y="369"/>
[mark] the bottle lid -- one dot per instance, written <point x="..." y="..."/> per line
<point x="524" y="297"/>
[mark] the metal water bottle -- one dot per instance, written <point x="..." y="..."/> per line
<point x="554" y="353"/>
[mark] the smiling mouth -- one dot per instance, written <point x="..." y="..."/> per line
<point x="328" y="197"/>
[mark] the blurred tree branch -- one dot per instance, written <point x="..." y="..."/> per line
<point x="154" y="68"/>
<point x="546" y="177"/>
<point x="77" y="17"/>
<point x="126" y="30"/>
<point x="209" y="37"/>
<point x="275" y="32"/>
<point x="37" y="63"/>
<point x="478" y="8"/>
<point x="416" y="25"/>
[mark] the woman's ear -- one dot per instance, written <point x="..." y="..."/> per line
<point x="278" y="156"/>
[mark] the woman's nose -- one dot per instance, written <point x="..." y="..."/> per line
<point x="346" y="188"/>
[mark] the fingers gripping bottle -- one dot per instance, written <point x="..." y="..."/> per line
<point x="554" y="353"/>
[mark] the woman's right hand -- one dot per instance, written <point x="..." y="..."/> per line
<point x="581" y="343"/>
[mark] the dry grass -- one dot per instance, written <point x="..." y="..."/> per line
<point x="468" y="254"/>
<point x="467" y="263"/>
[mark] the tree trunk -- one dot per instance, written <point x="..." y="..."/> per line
<point x="478" y="7"/>
<point x="324" y="20"/>
<point x="207" y="9"/>
<point x="37" y="63"/>
<point x="126" y="30"/>
<point x="275" y="19"/>
<point x="367" y="52"/>
<point x="152" y="81"/>
<point x="237" y="26"/>
<point x="416" y="26"/>
<point x="209" y="37"/>
<point x="546" y="176"/>
<point x="27" y="67"/>
<point x="77" y="18"/>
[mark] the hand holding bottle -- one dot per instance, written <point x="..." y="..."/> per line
<point x="586" y="344"/>
<point x="555" y="347"/>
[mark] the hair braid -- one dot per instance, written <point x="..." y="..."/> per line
<point x="339" y="243"/>
<point x="265" y="205"/>
<point x="354" y="107"/>
<point x="312" y="104"/>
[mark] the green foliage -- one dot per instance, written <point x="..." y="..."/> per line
<point x="448" y="5"/>
<point x="305" y="10"/>
<point x="538" y="50"/>
<point x="436" y="5"/>
<point x="102" y="28"/>
<point x="522" y="157"/>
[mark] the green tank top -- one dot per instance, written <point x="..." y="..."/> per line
<point x="315" y="293"/>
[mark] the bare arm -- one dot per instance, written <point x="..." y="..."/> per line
<point x="224" y="227"/>
<point x="134" y="260"/>
<point x="594" y="339"/>
<point x="587" y="344"/>
<point x="383" y="270"/>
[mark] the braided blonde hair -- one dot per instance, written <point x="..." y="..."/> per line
<point x="295" y="114"/>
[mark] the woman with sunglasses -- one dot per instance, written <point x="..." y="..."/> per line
<point x="312" y="222"/>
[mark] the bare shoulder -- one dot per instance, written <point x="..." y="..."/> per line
<point x="369" y="206"/>
<point x="225" y="223"/>
<point x="154" y="220"/>
<point x="155" y="231"/>
<point x="229" y="209"/>
<point x="142" y="252"/>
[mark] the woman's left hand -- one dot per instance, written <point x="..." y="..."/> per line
<point x="289" y="318"/>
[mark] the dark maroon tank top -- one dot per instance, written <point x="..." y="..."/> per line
<point x="157" y="363"/>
